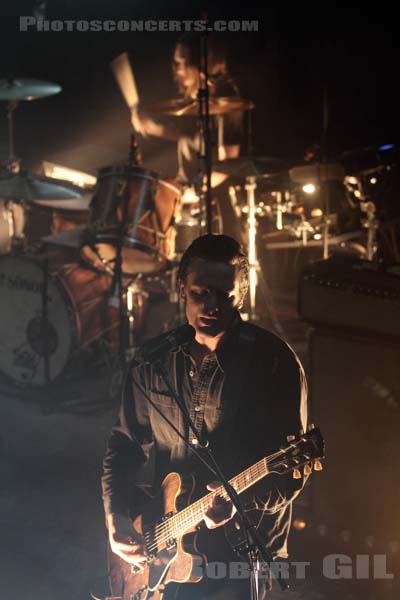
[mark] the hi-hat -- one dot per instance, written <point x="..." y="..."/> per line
<point x="27" y="89"/>
<point x="30" y="188"/>
<point x="250" y="166"/>
<point x="180" y="107"/>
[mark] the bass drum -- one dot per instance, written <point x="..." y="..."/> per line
<point x="78" y="316"/>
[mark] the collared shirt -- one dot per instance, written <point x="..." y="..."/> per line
<point x="247" y="397"/>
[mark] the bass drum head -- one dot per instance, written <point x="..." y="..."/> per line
<point x="22" y="355"/>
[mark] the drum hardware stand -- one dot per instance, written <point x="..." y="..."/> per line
<point x="254" y="266"/>
<point x="256" y="278"/>
<point x="12" y="164"/>
<point x="303" y="229"/>
<point x="324" y="186"/>
<point x="44" y="322"/>
<point x="205" y="132"/>
<point x="279" y="211"/>
<point x="117" y="290"/>
<point x="371" y="224"/>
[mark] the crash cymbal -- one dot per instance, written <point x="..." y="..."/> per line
<point x="317" y="172"/>
<point x="250" y="166"/>
<point x="30" y="188"/>
<point x="180" y="107"/>
<point x="76" y="204"/>
<point x="27" y="89"/>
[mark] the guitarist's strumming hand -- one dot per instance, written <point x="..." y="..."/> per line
<point x="124" y="541"/>
<point x="220" y="510"/>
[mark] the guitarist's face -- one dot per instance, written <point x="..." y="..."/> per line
<point x="212" y="296"/>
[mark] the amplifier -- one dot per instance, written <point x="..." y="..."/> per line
<point x="350" y="293"/>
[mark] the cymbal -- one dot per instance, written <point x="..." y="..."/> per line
<point x="30" y="188"/>
<point x="72" y="238"/>
<point x="76" y="204"/>
<point x="27" y="89"/>
<point x="181" y="107"/>
<point x="250" y="166"/>
<point x="317" y="172"/>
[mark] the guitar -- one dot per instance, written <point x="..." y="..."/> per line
<point x="170" y="539"/>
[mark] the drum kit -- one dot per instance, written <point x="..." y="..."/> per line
<point x="77" y="264"/>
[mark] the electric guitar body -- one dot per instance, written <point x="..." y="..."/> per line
<point x="175" y="562"/>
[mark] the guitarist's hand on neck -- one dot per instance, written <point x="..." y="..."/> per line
<point x="220" y="511"/>
<point x="124" y="541"/>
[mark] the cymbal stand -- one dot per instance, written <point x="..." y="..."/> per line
<point x="12" y="163"/>
<point x="204" y="125"/>
<point x="279" y="211"/>
<point x="324" y="186"/>
<point x="254" y="266"/>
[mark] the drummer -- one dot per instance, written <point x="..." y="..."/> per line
<point x="227" y="129"/>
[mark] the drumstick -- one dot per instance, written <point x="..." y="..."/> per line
<point x="125" y="78"/>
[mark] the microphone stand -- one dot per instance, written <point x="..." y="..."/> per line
<point x="204" y="122"/>
<point x="254" y="547"/>
<point x="117" y="281"/>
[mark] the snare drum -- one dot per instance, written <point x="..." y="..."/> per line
<point x="78" y="316"/>
<point x="147" y="231"/>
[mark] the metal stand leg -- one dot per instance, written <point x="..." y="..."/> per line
<point x="250" y="188"/>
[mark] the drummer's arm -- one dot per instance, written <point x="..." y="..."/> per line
<point x="224" y="153"/>
<point x="147" y="127"/>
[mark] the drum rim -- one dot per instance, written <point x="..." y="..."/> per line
<point x="170" y="184"/>
<point x="123" y="169"/>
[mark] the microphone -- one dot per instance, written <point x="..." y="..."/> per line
<point x="157" y="347"/>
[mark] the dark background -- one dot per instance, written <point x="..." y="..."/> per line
<point x="300" y="47"/>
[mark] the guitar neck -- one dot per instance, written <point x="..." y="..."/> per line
<point x="191" y="516"/>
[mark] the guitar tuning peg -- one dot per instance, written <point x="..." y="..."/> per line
<point x="307" y="470"/>
<point x="311" y="427"/>
<point x="296" y="474"/>
<point x="290" y="438"/>
<point x="317" y="465"/>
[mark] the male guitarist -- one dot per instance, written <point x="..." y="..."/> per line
<point x="245" y="391"/>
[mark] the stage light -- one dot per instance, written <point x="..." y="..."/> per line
<point x="299" y="524"/>
<point x="189" y="196"/>
<point x="317" y="212"/>
<point x="79" y="178"/>
<point x="373" y="180"/>
<point x="309" y="188"/>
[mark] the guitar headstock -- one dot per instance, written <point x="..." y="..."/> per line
<point x="303" y="450"/>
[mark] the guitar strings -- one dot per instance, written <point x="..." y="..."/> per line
<point x="165" y="531"/>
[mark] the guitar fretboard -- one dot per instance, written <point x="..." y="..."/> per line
<point x="189" y="517"/>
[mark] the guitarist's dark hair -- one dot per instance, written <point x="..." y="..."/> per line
<point x="216" y="248"/>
